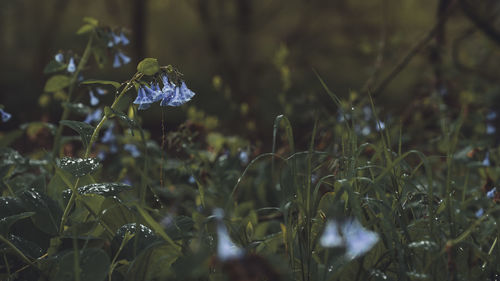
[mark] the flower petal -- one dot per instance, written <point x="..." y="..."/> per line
<point x="125" y="59"/>
<point x="358" y="239"/>
<point x="331" y="237"/>
<point x="93" y="99"/>
<point x="59" y="57"/>
<point x="5" y="116"/>
<point x="124" y="39"/>
<point x="116" y="62"/>
<point x="71" y="65"/>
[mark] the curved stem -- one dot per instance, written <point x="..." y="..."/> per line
<point x="16" y="250"/>
<point x="66" y="111"/>
<point x="95" y="134"/>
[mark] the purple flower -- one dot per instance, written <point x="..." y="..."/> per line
<point x="178" y="96"/>
<point x="491" y="115"/>
<point x="101" y="91"/>
<point x="125" y="59"/>
<point x="226" y="249"/>
<point x="479" y="213"/>
<point x="490" y="194"/>
<point x="93" y="99"/>
<point x="71" y="65"/>
<point x="116" y="39"/>
<point x="124" y="39"/>
<point x="154" y="92"/>
<point x="356" y="239"/>
<point x="243" y="157"/>
<point x="191" y="179"/>
<point x="380" y="126"/>
<point x="5" y="116"/>
<point x="108" y="136"/>
<point x="490" y="129"/>
<point x="120" y="59"/>
<point x="132" y="148"/>
<point x="59" y="57"/>
<point x="486" y="161"/>
<point x="331" y="237"/>
<point x="143" y="99"/>
<point x="94" y="116"/>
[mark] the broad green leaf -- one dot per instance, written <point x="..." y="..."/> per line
<point x="27" y="247"/>
<point x="143" y="238"/>
<point x="115" y="214"/>
<point x="9" y="137"/>
<point x="56" y="83"/>
<point x="47" y="212"/>
<point x="101" y="82"/>
<point x="33" y="128"/>
<point x="78" y="108"/>
<point x="8" y="158"/>
<point x="153" y="264"/>
<point x="104" y="189"/>
<point x="84" y="130"/>
<point x="94" y="265"/>
<point x="91" y="21"/>
<point x="79" y="167"/>
<point x="148" y="66"/>
<point x="179" y="227"/>
<point x="53" y="66"/>
<point x="10" y="206"/>
<point x="6" y="222"/>
<point x="156" y="227"/>
<point x="86" y="28"/>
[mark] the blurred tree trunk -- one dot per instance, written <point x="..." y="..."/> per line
<point x="46" y="33"/>
<point x="139" y="28"/>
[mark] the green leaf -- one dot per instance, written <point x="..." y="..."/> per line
<point x="94" y="265"/>
<point x="101" y="82"/>
<point x="56" y="83"/>
<point x="156" y="227"/>
<point x="33" y="128"/>
<point x="153" y="264"/>
<point x="10" y="137"/>
<point x="143" y="238"/>
<point x="6" y="222"/>
<point x="110" y="113"/>
<point x="47" y="212"/>
<point x="85" y="130"/>
<point x="78" y="108"/>
<point x="148" y="66"/>
<point x="78" y="167"/>
<point x="91" y="21"/>
<point x="104" y="189"/>
<point x="53" y="66"/>
<point x="180" y="227"/>
<point x="115" y="214"/>
<point x="86" y="28"/>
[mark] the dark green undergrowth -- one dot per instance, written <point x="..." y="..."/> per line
<point x="107" y="202"/>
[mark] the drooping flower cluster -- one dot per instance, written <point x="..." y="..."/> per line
<point x="169" y="95"/>
<point x="355" y="238"/>
<point x="114" y="40"/>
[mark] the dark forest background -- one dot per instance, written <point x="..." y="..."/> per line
<point x="250" y="60"/>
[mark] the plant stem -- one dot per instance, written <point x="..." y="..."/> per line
<point x="66" y="110"/>
<point x="16" y="250"/>
<point x="89" y="148"/>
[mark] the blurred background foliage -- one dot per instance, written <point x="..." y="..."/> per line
<point x="250" y="60"/>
